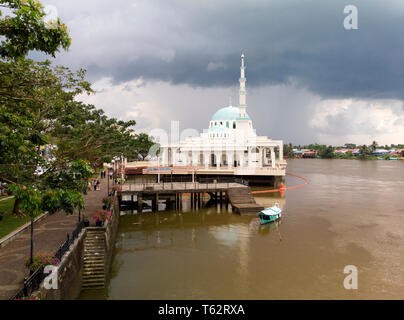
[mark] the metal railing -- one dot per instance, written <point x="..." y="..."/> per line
<point x="33" y="282"/>
<point x="198" y="184"/>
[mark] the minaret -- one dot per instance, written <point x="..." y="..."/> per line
<point x="243" y="92"/>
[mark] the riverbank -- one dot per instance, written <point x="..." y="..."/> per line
<point x="49" y="234"/>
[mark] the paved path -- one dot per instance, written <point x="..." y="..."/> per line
<point x="49" y="234"/>
<point x="6" y="198"/>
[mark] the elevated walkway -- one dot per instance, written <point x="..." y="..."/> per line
<point x="243" y="202"/>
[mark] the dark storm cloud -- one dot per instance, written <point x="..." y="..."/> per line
<point x="176" y="41"/>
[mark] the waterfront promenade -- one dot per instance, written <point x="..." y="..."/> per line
<point x="49" y="234"/>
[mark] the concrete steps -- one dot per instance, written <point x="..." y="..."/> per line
<point x="94" y="259"/>
<point x="243" y="201"/>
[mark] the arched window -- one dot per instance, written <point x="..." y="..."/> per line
<point x="227" y="124"/>
<point x="234" y="125"/>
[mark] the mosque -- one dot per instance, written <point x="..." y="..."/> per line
<point x="229" y="147"/>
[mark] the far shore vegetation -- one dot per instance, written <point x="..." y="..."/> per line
<point x="347" y="151"/>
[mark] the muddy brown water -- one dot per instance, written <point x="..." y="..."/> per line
<point x="351" y="213"/>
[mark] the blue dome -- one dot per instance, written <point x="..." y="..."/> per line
<point x="227" y="113"/>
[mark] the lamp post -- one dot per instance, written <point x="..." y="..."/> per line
<point x="122" y="170"/>
<point x="158" y="168"/>
<point x="113" y="172"/>
<point x="108" y="181"/>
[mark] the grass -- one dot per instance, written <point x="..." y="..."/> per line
<point x="10" y="222"/>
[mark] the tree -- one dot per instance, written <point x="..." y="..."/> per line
<point x="25" y="30"/>
<point x="288" y="150"/>
<point x="29" y="94"/>
<point x="84" y="132"/>
<point x="326" y="152"/>
<point x="143" y="144"/>
<point x="373" y="146"/>
<point x="363" y="152"/>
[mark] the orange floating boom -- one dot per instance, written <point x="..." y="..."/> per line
<point x="281" y="189"/>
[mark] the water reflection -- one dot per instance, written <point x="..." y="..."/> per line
<point x="189" y="242"/>
<point x="350" y="214"/>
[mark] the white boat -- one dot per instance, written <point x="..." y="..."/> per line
<point x="270" y="214"/>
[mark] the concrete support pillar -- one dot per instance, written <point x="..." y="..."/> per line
<point x="195" y="158"/>
<point x="206" y="158"/>
<point x="218" y="160"/>
<point x="139" y="203"/>
<point x="155" y="202"/>
<point x="174" y="156"/>
<point x="281" y="152"/>
<point x="164" y="156"/>
<point x="230" y="161"/>
<point x="242" y="159"/>
<point x="273" y="157"/>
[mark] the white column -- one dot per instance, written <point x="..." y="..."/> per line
<point x="273" y="157"/>
<point x="206" y="158"/>
<point x="249" y="157"/>
<point x="241" y="157"/>
<point x="164" y="156"/>
<point x="218" y="160"/>
<point x="230" y="159"/>
<point x="195" y="158"/>
<point x="281" y="152"/>
<point x="260" y="156"/>
<point x="174" y="156"/>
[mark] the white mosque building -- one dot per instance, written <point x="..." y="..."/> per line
<point x="230" y="146"/>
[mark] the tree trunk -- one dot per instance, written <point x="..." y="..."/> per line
<point x="16" y="209"/>
<point x="31" y="255"/>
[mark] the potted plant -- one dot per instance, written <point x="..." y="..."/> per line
<point x="40" y="261"/>
<point x="86" y="223"/>
<point x="107" y="201"/>
<point x="101" y="216"/>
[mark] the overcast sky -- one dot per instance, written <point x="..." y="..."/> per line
<point x="308" y="78"/>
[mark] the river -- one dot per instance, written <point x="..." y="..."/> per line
<point x="351" y="213"/>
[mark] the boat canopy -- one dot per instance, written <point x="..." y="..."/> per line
<point x="272" y="211"/>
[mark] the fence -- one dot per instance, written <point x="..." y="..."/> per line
<point x="202" y="184"/>
<point x="33" y="282"/>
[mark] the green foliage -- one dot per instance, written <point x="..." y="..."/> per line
<point x="347" y="155"/>
<point x="40" y="261"/>
<point x="8" y="221"/>
<point x="102" y="215"/>
<point x="142" y="145"/>
<point x="83" y="132"/>
<point x="326" y="152"/>
<point x="25" y="30"/>
<point x="373" y="147"/>
<point x="108" y="201"/>
<point x="288" y="150"/>
<point x="364" y="152"/>
<point x="30" y="199"/>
